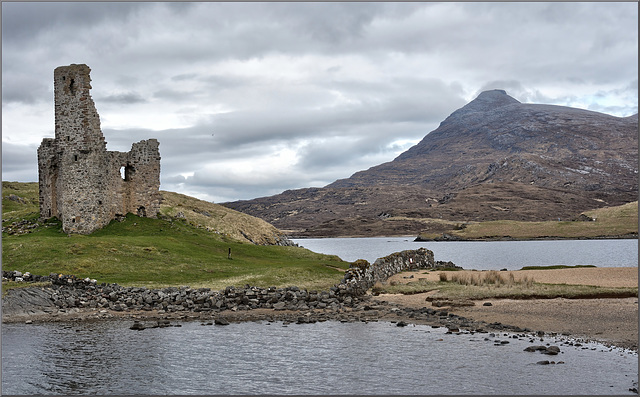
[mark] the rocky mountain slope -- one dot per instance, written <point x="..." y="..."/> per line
<point x="495" y="158"/>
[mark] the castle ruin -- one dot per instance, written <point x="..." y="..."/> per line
<point x="82" y="183"/>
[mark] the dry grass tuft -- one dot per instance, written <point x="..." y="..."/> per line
<point x="489" y="278"/>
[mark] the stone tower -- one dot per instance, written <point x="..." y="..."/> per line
<point x="81" y="183"/>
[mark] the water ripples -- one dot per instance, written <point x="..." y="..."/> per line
<point x="320" y="358"/>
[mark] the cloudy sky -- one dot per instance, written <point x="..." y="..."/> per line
<point x="251" y="99"/>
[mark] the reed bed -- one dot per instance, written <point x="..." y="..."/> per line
<point x="487" y="279"/>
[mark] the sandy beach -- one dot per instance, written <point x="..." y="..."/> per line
<point x="612" y="320"/>
<point x="598" y="276"/>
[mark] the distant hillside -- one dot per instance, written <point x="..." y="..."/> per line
<point x="20" y="201"/>
<point x="609" y="222"/>
<point x="495" y="158"/>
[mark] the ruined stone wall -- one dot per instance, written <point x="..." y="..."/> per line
<point x="80" y="181"/>
<point x="362" y="275"/>
<point x="47" y="178"/>
<point x="139" y="191"/>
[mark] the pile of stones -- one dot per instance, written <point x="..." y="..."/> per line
<point x="68" y="291"/>
<point x="20" y="227"/>
<point x="176" y="299"/>
<point x="26" y="276"/>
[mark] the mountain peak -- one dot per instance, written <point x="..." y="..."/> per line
<point x="486" y="101"/>
<point x="496" y="96"/>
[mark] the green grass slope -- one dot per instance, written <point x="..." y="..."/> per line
<point x="162" y="252"/>
<point x="19" y="201"/>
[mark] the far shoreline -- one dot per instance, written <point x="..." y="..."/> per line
<point x="497" y="238"/>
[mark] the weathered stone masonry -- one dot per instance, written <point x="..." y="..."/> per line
<point x="81" y="183"/>
<point x="362" y="275"/>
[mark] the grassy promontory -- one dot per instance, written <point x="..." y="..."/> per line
<point x="608" y="222"/>
<point x="191" y="248"/>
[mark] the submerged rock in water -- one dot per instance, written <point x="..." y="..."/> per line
<point x="137" y="326"/>
<point x="535" y="348"/>
<point x="550" y="350"/>
<point x="543" y="362"/>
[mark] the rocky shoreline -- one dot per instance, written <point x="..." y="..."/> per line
<point x="60" y="303"/>
<point x="62" y="293"/>
<point x="69" y="292"/>
<point x="59" y="297"/>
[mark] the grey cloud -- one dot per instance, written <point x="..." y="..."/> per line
<point x="412" y="101"/>
<point x="492" y="41"/>
<point x="426" y="59"/>
<point x="632" y="87"/>
<point x="19" y="162"/>
<point x="225" y="187"/>
<point x="342" y="155"/>
<point x="24" y="89"/>
<point x="172" y="94"/>
<point x="220" y="82"/>
<point x="23" y="20"/>
<point x="327" y="22"/>
<point x="203" y="179"/>
<point x="126" y="98"/>
<point x="210" y="85"/>
<point x="335" y="154"/>
<point x="184" y="76"/>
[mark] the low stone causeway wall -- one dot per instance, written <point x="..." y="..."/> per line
<point x="362" y="275"/>
<point x="68" y="291"/>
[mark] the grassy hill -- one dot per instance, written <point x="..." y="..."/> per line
<point x="191" y="249"/>
<point x="20" y="201"/>
<point x="219" y="219"/>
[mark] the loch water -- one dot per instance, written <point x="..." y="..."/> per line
<point x="487" y="255"/>
<point x="107" y="357"/>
